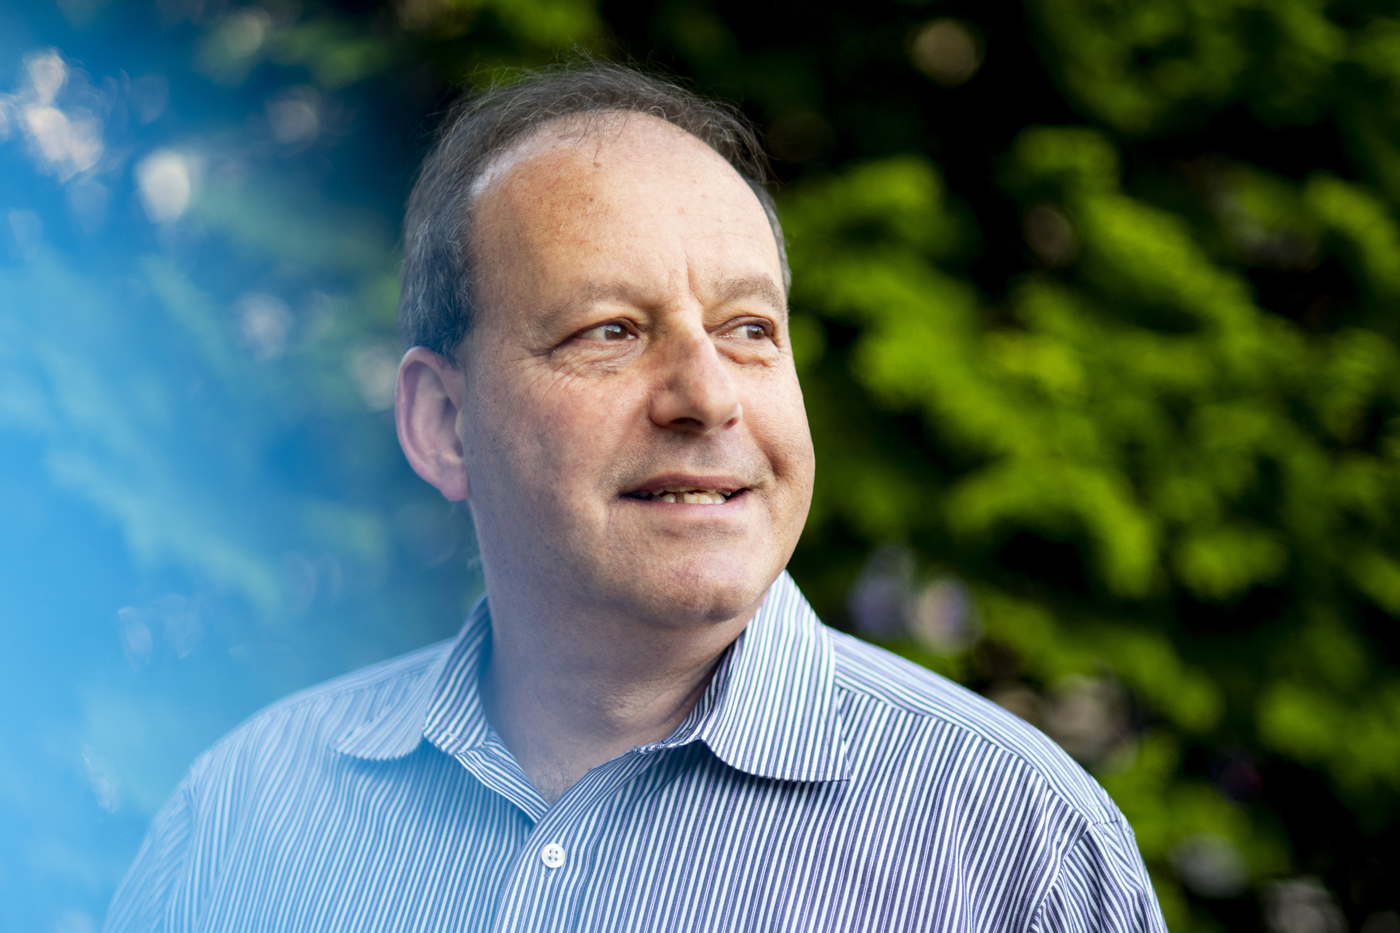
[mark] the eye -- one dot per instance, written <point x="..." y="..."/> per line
<point x="751" y="331"/>
<point x="610" y="331"/>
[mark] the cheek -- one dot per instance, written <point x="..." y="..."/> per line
<point x="548" y="432"/>
<point x="779" y="418"/>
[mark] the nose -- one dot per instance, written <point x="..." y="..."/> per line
<point x="695" y="390"/>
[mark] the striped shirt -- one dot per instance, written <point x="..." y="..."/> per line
<point x="820" y="784"/>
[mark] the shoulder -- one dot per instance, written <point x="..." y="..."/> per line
<point x="275" y="762"/>
<point x="880" y="684"/>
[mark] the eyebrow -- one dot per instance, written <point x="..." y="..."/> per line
<point x="760" y="287"/>
<point x="591" y="294"/>
<point x="757" y="287"/>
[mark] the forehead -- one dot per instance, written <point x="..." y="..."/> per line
<point x="606" y="139"/>
<point x="619" y="194"/>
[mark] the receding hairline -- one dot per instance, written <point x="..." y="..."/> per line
<point x="590" y="124"/>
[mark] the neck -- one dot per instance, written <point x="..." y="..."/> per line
<point x="569" y="690"/>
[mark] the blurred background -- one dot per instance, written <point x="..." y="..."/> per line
<point x="1096" y="306"/>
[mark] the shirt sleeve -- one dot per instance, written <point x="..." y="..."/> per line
<point x="143" y="902"/>
<point x="1102" y="887"/>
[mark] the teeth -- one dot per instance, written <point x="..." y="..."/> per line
<point x="688" y="496"/>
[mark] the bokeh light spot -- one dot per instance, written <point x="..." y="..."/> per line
<point x="1210" y="865"/>
<point x="947" y="51"/>
<point x="294" y="115"/>
<point x="375" y="370"/>
<point x="1050" y="235"/>
<point x="163" y="179"/>
<point x="264" y="323"/>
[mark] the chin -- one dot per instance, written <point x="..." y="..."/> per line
<point x="700" y="593"/>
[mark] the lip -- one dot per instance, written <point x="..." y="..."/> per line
<point x="729" y="485"/>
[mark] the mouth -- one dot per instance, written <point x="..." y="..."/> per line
<point x="686" y="495"/>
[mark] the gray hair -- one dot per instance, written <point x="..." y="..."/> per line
<point x="437" y="303"/>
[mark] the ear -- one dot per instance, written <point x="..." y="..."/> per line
<point x="427" y="407"/>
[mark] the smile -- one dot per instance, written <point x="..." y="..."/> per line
<point x="686" y="495"/>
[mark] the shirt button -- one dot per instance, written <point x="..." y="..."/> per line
<point x="552" y="855"/>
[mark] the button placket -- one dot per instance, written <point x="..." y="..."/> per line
<point x="544" y="883"/>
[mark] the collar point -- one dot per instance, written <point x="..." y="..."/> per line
<point x="357" y="745"/>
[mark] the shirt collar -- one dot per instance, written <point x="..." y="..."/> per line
<point x="770" y="710"/>
<point x="404" y="723"/>
<point x="775" y="713"/>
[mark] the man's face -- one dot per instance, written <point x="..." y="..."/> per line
<point x="634" y="433"/>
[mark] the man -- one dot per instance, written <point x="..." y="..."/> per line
<point x="642" y="726"/>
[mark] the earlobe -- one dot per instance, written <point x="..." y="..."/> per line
<point x="427" y="407"/>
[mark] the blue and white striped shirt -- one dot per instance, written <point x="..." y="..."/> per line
<point x="820" y="784"/>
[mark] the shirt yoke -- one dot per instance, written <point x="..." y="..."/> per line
<point x="894" y="682"/>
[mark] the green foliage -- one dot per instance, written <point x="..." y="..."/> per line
<point x="1140" y="66"/>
